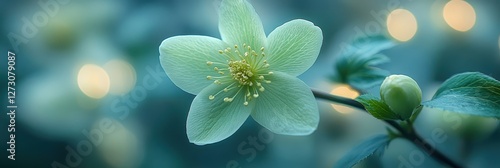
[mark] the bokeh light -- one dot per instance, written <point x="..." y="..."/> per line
<point x="401" y="24"/>
<point x="459" y="14"/>
<point x="82" y="66"/>
<point x="344" y="91"/>
<point x="120" y="147"/>
<point x="122" y="76"/>
<point x="93" y="81"/>
<point x="53" y="109"/>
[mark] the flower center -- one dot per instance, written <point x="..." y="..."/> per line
<point x="245" y="69"/>
<point x="241" y="71"/>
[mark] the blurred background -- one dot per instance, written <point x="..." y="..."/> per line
<point x="85" y="66"/>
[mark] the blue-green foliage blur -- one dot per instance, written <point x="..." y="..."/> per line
<point x="58" y="125"/>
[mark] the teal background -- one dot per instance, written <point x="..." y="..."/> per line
<point x="53" y="111"/>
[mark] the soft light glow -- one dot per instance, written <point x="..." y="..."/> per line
<point x="93" y="81"/>
<point x="122" y="76"/>
<point x="460" y="15"/>
<point x="120" y="147"/>
<point x="401" y="24"/>
<point x="344" y="91"/>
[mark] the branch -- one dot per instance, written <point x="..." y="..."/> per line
<point x="410" y="135"/>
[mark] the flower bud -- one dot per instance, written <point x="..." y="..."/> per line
<point x="402" y="94"/>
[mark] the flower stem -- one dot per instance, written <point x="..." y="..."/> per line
<point x="410" y="135"/>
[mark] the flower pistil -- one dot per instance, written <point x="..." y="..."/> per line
<point x="245" y="69"/>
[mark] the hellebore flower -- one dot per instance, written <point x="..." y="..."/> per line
<point x="245" y="74"/>
<point x="402" y="94"/>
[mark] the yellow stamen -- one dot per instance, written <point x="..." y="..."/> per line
<point x="244" y="68"/>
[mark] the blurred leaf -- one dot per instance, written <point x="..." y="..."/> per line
<point x="470" y="93"/>
<point x="355" y="64"/>
<point x="377" y="108"/>
<point x="364" y="150"/>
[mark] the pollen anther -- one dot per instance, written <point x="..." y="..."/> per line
<point x="261" y="89"/>
<point x="227" y="99"/>
<point x="244" y="69"/>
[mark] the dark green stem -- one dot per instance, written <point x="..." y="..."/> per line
<point x="408" y="134"/>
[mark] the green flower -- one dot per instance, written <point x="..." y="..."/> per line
<point x="402" y="94"/>
<point x="245" y="74"/>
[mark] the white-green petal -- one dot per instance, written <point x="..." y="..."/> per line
<point x="239" y="23"/>
<point x="294" y="46"/>
<point x="184" y="59"/>
<point x="287" y="106"/>
<point x="211" y="121"/>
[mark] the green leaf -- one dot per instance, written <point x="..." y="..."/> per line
<point x="377" y="108"/>
<point x="355" y="64"/>
<point x="470" y="93"/>
<point x="364" y="150"/>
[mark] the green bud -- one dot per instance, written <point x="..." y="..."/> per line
<point x="402" y="94"/>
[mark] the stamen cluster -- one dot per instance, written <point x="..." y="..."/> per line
<point x="245" y="70"/>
